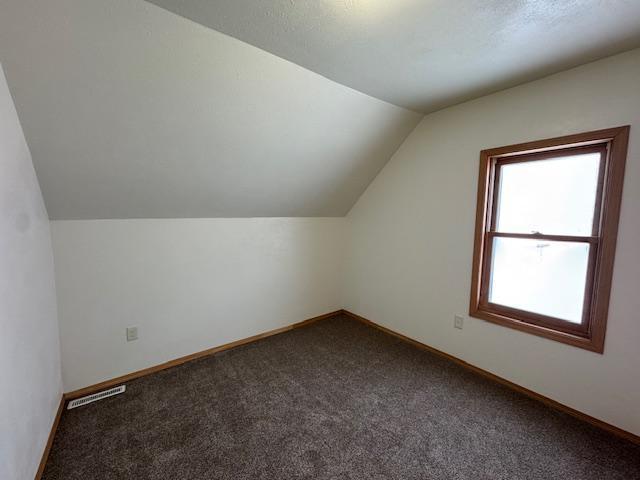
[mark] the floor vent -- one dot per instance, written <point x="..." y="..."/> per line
<point x="95" y="397"/>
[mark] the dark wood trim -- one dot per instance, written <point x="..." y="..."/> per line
<point x="619" y="432"/>
<point x="194" y="356"/>
<point x="579" y="329"/>
<point x="547" y="153"/>
<point x="597" y="211"/>
<point x="483" y="207"/>
<point x="567" y="141"/>
<point x="52" y="434"/>
<point x="612" y="144"/>
<point x="539" y="330"/>
<point x="610" y="216"/>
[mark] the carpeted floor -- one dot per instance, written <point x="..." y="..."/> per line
<point x="337" y="400"/>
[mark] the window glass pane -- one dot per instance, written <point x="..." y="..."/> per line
<point x="555" y="196"/>
<point x="539" y="276"/>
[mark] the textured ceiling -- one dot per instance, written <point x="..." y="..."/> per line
<point x="426" y="54"/>
<point x="131" y="111"/>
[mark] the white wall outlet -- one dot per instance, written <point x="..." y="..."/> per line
<point x="458" y="321"/>
<point x="132" y="333"/>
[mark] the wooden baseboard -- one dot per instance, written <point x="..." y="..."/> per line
<point x="513" y="386"/>
<point x="52" y="434"/>
<point x="179" y="361"/>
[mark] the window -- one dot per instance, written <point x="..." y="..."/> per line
<point x="546" y="226"/>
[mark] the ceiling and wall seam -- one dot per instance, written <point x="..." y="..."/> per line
<point x="132" y="111"/>
<point x="421" y="55"/>
<point x="163" y="109"/>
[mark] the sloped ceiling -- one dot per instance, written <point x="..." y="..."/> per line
<point x="426" y="54"/>
<point x="131" y="111"/>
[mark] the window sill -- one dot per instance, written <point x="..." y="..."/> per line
<point x="587" y="343"/>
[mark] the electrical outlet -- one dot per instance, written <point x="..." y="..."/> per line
<point x="132" y="333"/>
<point x="458" y="322"/>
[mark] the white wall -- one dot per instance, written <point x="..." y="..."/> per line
<point x="187" y="284"/>
<point x="411" y="238"/>
<point x="30" y="382"/>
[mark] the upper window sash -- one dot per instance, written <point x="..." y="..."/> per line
<point x="498" y="163"/>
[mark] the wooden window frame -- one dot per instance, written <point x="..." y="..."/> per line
<point x="590" y="334"/>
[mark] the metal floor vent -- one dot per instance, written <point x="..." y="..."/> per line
<point x="95" y="397"/>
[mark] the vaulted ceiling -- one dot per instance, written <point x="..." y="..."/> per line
<point x="136" y="109"/>
<point x="426" y="54"/>
<point x="131" y="111"/>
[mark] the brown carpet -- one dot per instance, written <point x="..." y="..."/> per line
<point x="337" y="400"/>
